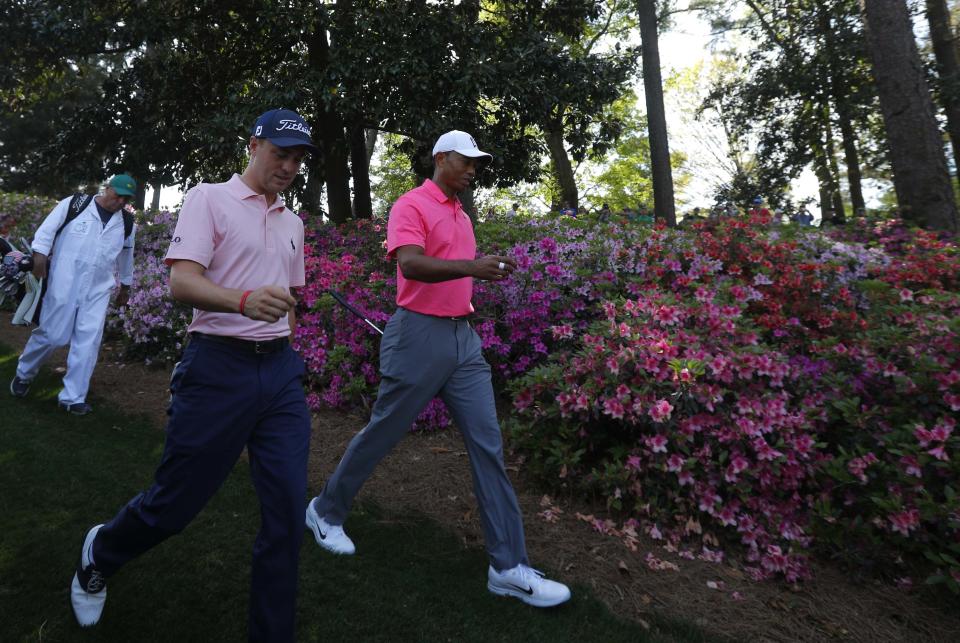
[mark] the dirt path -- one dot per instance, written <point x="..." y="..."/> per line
<point x="429" y="474"/>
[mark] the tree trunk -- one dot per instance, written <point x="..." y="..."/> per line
<point x="920" y="176"/>
<point x="466" y="200"/>
<point x="851" y="158"/>
<point x="359" y="163"/>
<point x="314" y="187"/>
<point x="824" y="184"/>
<point x="663" y="202"/>
<point x="948" y="68"/>
<point x="141" y="197"/>
<point x="155" y="204"/>
<point x="371" y="143"/>
<point x="561" y="165"/>
<point x="331" y="130"/>
<point x="848" y="137"/>
<point x="839" y="210"/>
<point x="336" y="174"/>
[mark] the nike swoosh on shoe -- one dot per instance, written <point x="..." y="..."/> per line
<point x="525" y="590"/>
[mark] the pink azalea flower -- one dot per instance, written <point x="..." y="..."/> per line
<point x="613" y="407"/>
<point x="633" y="463"/>
<point x="942" y="430"/>
<point x="727" y="517"/>
<point x="675" y="463"/>
<point x="563" y="331"/>
<point x="911" y="466"/>
<point x="939" y="453"/>
<point x="922" y="434"/>
<point x="661" y="411"/>
<point x="657" y="443"/>
<point x="904" y="522"/>
<point x="613" y="365"/>
<point x="707" y="500"/>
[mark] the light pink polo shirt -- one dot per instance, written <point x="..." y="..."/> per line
<point x="428" y="218"/>
<point x="244" y="244"/>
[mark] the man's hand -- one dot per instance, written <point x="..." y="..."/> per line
<point x="493" y="267"/>
<point x="269" y="303"/>
<point x="39" y="265"/>
<point x="123" y="296"/>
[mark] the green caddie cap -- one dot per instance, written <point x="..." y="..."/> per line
<point x="123" y="185"/>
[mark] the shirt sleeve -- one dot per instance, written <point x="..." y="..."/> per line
<point x="44" y="237"/>
<point x="405" y="227"/>
<point x="297" y="271"/>
<point x="125" y="264"/>
<point x="193" y="237"/>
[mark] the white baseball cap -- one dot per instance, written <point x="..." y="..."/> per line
<point x="461" y="143"/>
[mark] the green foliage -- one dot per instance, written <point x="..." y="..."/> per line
<point x="394" y="175"/>
<point x="807" y="68"/>
<point x="171" y="99"/>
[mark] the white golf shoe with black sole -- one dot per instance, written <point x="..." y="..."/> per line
<point x="331" y="537"/>
<point x="88" y="591"/>
<point x="527" y="584"/>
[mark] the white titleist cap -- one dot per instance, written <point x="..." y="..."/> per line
<point x="461" y="143"/>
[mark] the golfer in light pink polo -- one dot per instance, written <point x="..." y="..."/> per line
<point x="234" y="256"/>
<point x="429" y="349"/>
<point x="231" y="230"/>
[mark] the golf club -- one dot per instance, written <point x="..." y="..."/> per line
<point x="343" y="302"/>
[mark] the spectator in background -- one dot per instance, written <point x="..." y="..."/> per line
<point x="759" y="208"/>
<point x="605" y="214"/>
<point x="644" y="215"/>
<point x="568" y="210"/>
<point x="512" y="212"/>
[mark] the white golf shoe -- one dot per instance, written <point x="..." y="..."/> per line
<point x="331" y="537"/>
<point x="88" y="591"/>
<point x="527" y="584"/>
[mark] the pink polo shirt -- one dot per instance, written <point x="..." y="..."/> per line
<point x="428" y="218"/>
<point x="244" y="244"/>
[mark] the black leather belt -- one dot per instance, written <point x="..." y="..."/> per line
<point x="465" y="318"/>
<point x="248" y="345"/>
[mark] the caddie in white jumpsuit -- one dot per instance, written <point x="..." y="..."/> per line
<point x="83" y="262"/>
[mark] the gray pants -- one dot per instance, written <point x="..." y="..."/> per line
<point x="421" y="357"/>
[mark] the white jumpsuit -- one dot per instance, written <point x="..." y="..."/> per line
<point x="81" y="276"/>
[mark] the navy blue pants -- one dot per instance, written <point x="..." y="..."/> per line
<point x="224" y="399"/>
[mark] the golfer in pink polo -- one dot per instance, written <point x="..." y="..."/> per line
<point x="235" y="255"/>
<point x="429" y="349"/>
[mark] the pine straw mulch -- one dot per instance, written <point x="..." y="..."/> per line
<point x="429" y="474"/>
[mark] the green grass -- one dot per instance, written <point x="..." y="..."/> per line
<point x="412" y="581"/>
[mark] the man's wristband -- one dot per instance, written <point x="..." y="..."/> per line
<point x="243" y="299"/>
